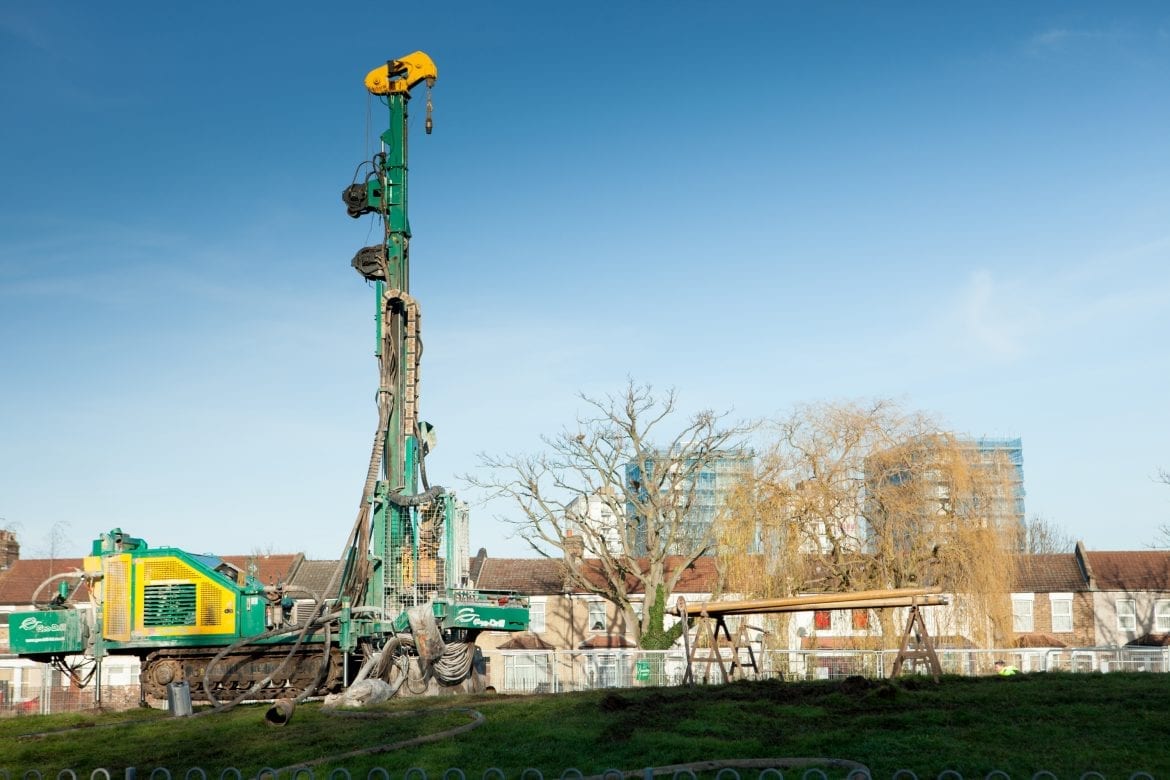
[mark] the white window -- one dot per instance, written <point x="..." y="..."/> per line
<point x="1062" y="613"/>
<point x="607" y="673"/>
<point x="1029" y="662"/>
<point x="117" y="673"/>
<point x="528" y="672"/>
<point x="536" y="622"/>
<point x="1022" y="612"/>
<point x="1083" y="662"/>
<point x="596" y="619"/>
<point x="1126" y="615"/>
<point x="1162" y="617"/>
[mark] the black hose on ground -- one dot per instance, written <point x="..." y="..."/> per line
<point x="476" y="720"/>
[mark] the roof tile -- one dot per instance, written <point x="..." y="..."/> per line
<point x="1140" y="570"/>
<point x="314" y="576"/>
<point x="1049" y="573"/>
<point x="546" y="576"/>
<point x="19" y="582"/>
<point x="529" y="576"/>
<point x="606" y="642"/>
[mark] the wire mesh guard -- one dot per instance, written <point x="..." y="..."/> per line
<point x="416" y="555"/>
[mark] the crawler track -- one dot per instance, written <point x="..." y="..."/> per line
<point x="238" y="672"/>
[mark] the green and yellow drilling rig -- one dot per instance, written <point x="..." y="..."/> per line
<point x="394" y="609"/>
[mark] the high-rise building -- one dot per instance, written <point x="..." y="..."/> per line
<point x="996" y="484"/>
<point x="1007" y="456"/>
<point x="598" y="520"/>
<point x="462" y="535"/>
<point x="712" y="483"/>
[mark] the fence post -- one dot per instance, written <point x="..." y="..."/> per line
<point x="97" y="684"/>
<point x="46" y="689"/>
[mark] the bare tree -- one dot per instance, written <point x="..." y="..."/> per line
<point x="631" y="454"/>
<point x="852" y="496"/>
<point x="56" y="540"/>
<point x="1043" y="536"/>
<point x="1163" y="538"/>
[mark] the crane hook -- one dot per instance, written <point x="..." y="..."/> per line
<point x="430" y="125"/>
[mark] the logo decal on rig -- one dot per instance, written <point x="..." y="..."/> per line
<point x="35" y="625"/>
<point x="466" y="617"/>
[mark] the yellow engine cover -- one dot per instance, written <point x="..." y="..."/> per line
<point x="175" y="599"/>
<point x="114" y="596"/>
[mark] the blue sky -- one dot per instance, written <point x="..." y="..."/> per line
<point x="963" y="206"/>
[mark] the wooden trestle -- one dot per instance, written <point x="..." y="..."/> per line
<point x="915" y="644"/>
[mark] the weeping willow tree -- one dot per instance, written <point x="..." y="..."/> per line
<point x="940" y="510"/>
<point x="852" y="496"/>
<point x="756" y="516"/>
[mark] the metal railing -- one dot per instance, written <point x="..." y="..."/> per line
<point x="763" y="769"/>
<point x="554" y="671"/>
<point x="576" y="670"/>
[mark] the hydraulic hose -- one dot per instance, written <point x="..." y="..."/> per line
<point x="455" y="663"/>
<point x="375" y="665"/>
<point x="54" y="578"/>
<point x="301" y="631"/>
<point x="418" y="499"/>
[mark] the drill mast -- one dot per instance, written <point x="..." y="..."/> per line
<point x="411" y="524"/>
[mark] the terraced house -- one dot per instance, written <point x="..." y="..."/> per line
<point x="1066" y="608"/>
<point x="1083" y="610"/>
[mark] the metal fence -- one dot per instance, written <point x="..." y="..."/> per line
<point x="44" y="691"/>
<point x="578" y="670"/>
<point x="27" y="688"/>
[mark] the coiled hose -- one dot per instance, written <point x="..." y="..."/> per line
<point x="454" y="665"/>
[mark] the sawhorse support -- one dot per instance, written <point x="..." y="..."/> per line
<point x="718" y="639"/>
<point x="923" y="649"/>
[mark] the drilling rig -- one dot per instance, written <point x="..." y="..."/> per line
<point x="395" y="609"/>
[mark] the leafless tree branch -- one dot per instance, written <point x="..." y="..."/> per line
<point x="647" y="542"/>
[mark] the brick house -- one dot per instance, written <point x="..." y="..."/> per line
<point x="1079" y="599"/>
<point x="1131" y="596"/>
<point x="1092" y="599"/>
<point x="565" y="618"/>
<point x="1051" y="602"/>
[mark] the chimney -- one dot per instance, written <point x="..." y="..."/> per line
<point x="9" y="549"/>
<point x="574" y="548"/>
<point x="1083" y="564"/>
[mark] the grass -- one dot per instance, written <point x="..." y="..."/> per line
<point x="1115" y="724"/>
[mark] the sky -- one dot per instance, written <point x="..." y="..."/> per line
<point x="963" y="206"/>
